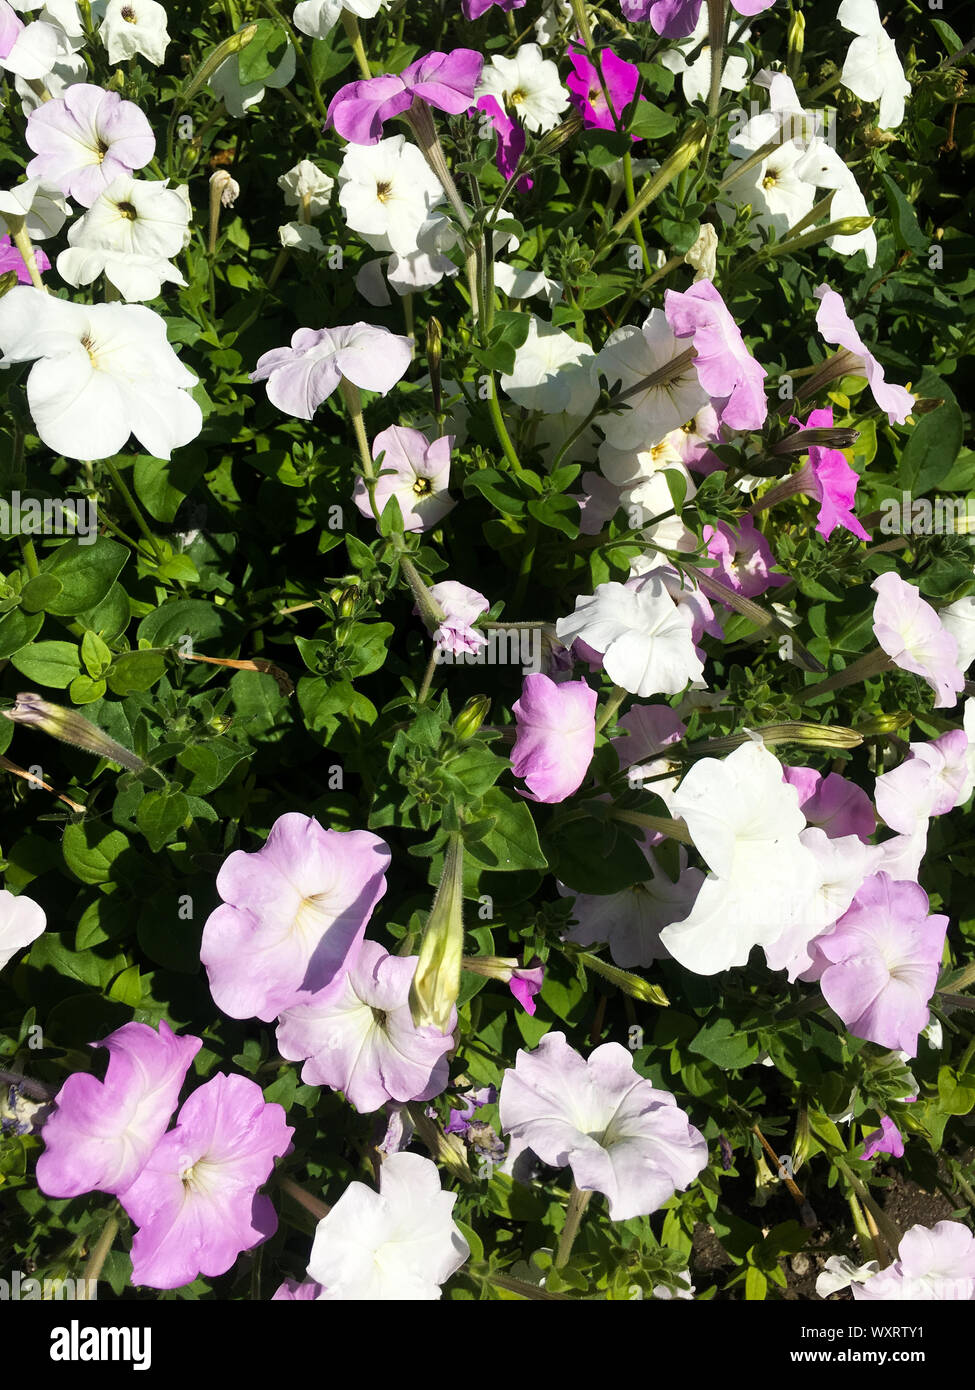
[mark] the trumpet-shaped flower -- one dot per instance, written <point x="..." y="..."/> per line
<point x="317" y="18"/>
<point x="529" y="84"/>
<point x="300" y="377"/>
<point x="84" y="140"/>
<point x="832" y="803"/>
<point x="933" y="780"/>
<point x="417" y="474"/>
<point x="447" y="81"/>
<point x="27" y="51"/>
<point x="357" y="1035"/>
<point x="601" y="93"/>
<point x="552" y="372"/>
<point x="725" y="367"/>
<point x="44" y="211"/>
<point x="643" y="636"/>
<point x="128" y="234"/>
<point x="936" y="1262"/>
<point x="102" y="1132"/>
<point x="556" y="736"/>
<point x="630" y="921"/>
<point x="676" y="19"/>
<point x="836" y="326"/>
<point x="911" y="634"/>
<point x="744" y="557"/>
<point x="881" y="962"/>
<point x="101" y="372"/>
<point x="195" y="1200"/>
<point x="397" y="1244"/>
<point x="619" y="1134"/>
<point x="21" y="921"/>
<point x="239" y="96"/>
<point x="132" y="27"/>
<point x="387" y="192"/>
<point x="872" y="70"/>
<point x="293" y="915"/>
<point x="307" y="186"/>
<point x="629" y="356"/>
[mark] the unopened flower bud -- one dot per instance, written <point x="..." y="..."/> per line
<point x="553" y="140"/>
<point x="796" y="42"/>
<point x="885" y="723"/>
<point x="348" y="600"/>
<point x="69" y="727"/>
<point x="472" y="716"/>
<point x="436" y="983"/>
<point x="434" y="355"/>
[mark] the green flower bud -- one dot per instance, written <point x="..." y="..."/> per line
<point x="436" y="983"/>
<point x="69" y="727"/>
<point x="472" y="716"/>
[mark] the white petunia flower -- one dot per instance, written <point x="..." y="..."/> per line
<point x="27" y="51"/>
<point x="128" y="234"/>
<point x="530" y="84"/>
<point x="629" y="356"/>
<point x="387" y="192"/>
<point x="44" y="209"/>
<point x="397" y="1244"/>
<point x="317" y="18"/>
<point x="696" y="76"/>
<point x="553" y="372"/>
<point x="21" y="922"/>
<point x="307" y="186"/>
<point x="133" y="27"/>
<point x="643" y="636"/>
<point x="872" y="70"/>
<point x="101" y="372"/>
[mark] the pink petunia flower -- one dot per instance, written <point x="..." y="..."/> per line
<point x="677" y="19"/>
<point x="461" y="606"/>
<point x="744" y="557"/>
<point x="86" y="139"/>
<point x="102" y="1132"/>
<point x="829" y="478"/>
<point x="357" y="1035"/>
<point x="526" y="981"/>
<point x="932" y="1263"/>
<point x="300" y="377"/>
<point x="887" y="1139"/>
<point x="417" y="475"/>
<point x="933" y="780"/>
<point x="910" y="632"/>
<point x="473" y="9"/>
<point x="836" y="326"/>
<point x="556" y="736"/>
<point x="293" y="915"/>
<point x="832" y="803"/>
<point x="359" y="110"/>
<point x="882" y="962"/>
<point x="195" y="1201"/>
<point x="511" y="140"/>
<point x="725" y="367"/>
<point x="589" y="95"/>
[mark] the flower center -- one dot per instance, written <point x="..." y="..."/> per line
<point x="129" y="15"/>
<point x="770" y="180"/>
<point x="89" y="346"/>
<point x="127" y="210"/>
<point x="422" y="487"/>
<point x="101" y="150"/>
<point x="379" y="1018"/>
<point x="517" y="97"/>
<point x="383" y="190"/>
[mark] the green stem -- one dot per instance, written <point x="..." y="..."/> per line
<point x="630" y="202"/>
<point x="100" y="1253"/>
<point x="30" y="556"/>
<point x="673" y="829"/>
<point x="578" y="1201"/>
<point x="616" y="697"/>
<point x="120" y="485"/>
<point x="351" y="26"/>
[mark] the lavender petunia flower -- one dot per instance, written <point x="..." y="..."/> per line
<point x="618" y="1133"/>
<point x="932" y="1263"/>
<point x="677" y="19"/>
<point x="882" y="962"/>
<point x="359" y="110"/>
<point x="744" y="557"/>
<point x="300" y="377"/>
<point x="885" y="1140"/>
<point x="195" y="1201"/>
<point x="84" y="140"/>
<point x="630" y="921"/>
<point x="462" y="606"/>
<point x="102" y="1132"/>
<point x="911" y="634"/>
<point x="293" y="916"/>
<point x="836" y="326"/>
<point x="833" y="803"/>
<point x="473" y="9"/>
<point x="357" y="1035"/>
<point x="830" y="479"/>
<point x="297" y="1291"/>
<point x="932" y="781"/>
<point x="726" y="369"/>
<point x="556" y="736"/>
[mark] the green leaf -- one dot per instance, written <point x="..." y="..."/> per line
<point x="723" y="1046"/>
<point x="594" y="857"/>
<point x="258" y="61"/>
<point x="907" y="233"/>
<point x="651" y="122"/>
<point x="160" y="816"/>
<point x="932" y="449"/>
<point x="184" y="617"/>
<point x="90" y="851"/>
<point x="39" y="592"/>
<point x="512" y="841"/>
<point x="18" y="630"/>
<point x="95" y="654"/>
<point x="85" y="572"/>
<point x="49" y="663"/>
<point x="135" y="671"/>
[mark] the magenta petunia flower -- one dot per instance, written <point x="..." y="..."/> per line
<point x="417" y="475"/>
<point x="912" y="635"/>
<point x="473" y="9"/>
<point x="11" y="259"/>
<point x="725" y="367"/>
<point x="744" y="557"/>
<point x="556" y="736"/>
<point x="836" y="326"/>
<point x="589" y="95"/>
<point x="300" y="377"/>
<point x="357" y="1035"/>
<point x="511" y="139"/>
<point x="526" y="981"/>
<point x="102" y="1132"/>
<point x="677" y="19"/>
<point x="86" y="139"/>
<point x="830" y="479"/>
<point x="293" y="915"/>
<point x="195" y="1201"/>
<point x="618" y="1133"/>
<point x="832" y="803"/>
<point x="359" y="110"/>
<point x="883" y="958"/>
